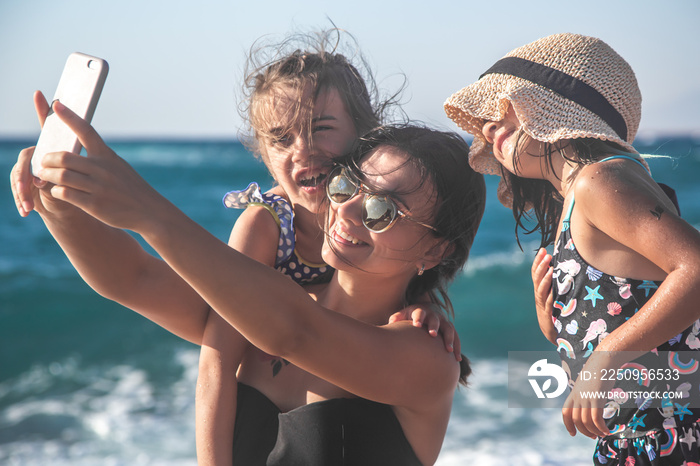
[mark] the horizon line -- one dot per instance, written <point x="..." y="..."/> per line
<point x="194" y="138"/>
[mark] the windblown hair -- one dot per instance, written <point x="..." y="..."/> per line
<point x="441" y="158"/>
<point x="538" y="198"/>
<point x="309" y="62"/>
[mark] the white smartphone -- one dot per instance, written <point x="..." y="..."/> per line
<point x="79" y="89"/>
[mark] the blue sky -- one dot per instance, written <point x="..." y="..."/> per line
<point x="175" y="65"/>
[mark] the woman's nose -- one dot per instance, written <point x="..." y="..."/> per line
<point x="351" y="210"/>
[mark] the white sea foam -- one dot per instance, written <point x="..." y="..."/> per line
<point x="119" y="416"/>
<point x="484" y="431"/>
<point x="512" y="257"/>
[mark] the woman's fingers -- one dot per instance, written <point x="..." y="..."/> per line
<point x="67" y="170"/>
<point x="21" y="178"/>
<point x="451" y="338"/>
<point x="88" y="137"/>
<point x="41" y="106"/>
<point x="21" y="182"/>
<point x="544" y="289"/>
<point x="18" y="186"/>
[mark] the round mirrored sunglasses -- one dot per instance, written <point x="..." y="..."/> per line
<point x="379" y="212"/>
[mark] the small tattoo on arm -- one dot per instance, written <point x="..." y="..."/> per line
<point x="658" y="210"/>
<point x="277" y="365"/>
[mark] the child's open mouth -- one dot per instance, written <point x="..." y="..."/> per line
<point x="314" y="181"/>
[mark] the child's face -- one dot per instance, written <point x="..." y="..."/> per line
<point x="299" y="157"/>
<point x="508" y="140"/>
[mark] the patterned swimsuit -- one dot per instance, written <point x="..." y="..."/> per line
<point x="590" y="304"/>
<point x="288" y="260"/>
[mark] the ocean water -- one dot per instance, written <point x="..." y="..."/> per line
<point x="84" y="381"/>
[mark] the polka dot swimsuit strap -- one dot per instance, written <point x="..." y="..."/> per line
<point x="285" y="219"/>
<point x="287" y="261"/>
<point x="278" y="207"/>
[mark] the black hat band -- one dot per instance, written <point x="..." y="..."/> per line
<point x="565" y="85"/>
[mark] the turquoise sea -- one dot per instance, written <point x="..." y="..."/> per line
<point x="84" y="381"/>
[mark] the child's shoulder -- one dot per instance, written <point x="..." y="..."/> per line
<point x="612" y="187"/>
<point x="258" y="217"/>
<point x="256" y="234"/>
<point x="600" y="179"/>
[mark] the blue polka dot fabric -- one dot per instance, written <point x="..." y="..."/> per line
<point x="288" y="260"/>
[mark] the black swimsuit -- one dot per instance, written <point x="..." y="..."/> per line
<point x="339" y="431"/>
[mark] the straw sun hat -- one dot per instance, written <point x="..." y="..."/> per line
<point x="563" y="86"/>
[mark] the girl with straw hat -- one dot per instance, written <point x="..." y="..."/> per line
<point x="556" y="119"/>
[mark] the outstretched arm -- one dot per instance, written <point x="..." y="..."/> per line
<point x="358" y="357"/>
<point x="110" y="260"/>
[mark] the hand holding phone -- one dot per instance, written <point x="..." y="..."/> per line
<point x="79" y="89"/>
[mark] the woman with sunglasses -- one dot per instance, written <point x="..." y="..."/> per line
<point x="375" y="394"/>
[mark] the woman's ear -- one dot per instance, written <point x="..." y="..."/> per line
<point x="436" y="253"/>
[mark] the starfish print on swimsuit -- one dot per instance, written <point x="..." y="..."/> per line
<point x="682" y="410"/>
<point x="593" y="295"/>
<point x="688" y="438"/>
<point x="636" y="422"/>
<point x="647" y="286"/>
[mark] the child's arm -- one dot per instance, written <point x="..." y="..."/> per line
<point x="255" y="234"/>
<point x="110" y="260"/>
<point x="217" y="388"/>
<point x="429" y="314"/>
<point x="624" y="205"/>
<point x="544" y="299"/>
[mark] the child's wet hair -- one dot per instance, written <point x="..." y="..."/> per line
<point x="310" y="63"/>
<point x="537" y="205"/>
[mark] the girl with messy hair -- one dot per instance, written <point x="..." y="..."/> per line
<point x="306" y="103"/>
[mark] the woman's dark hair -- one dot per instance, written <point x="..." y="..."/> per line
<point x="441" y="158"/>
<point x="538" y="198"/>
